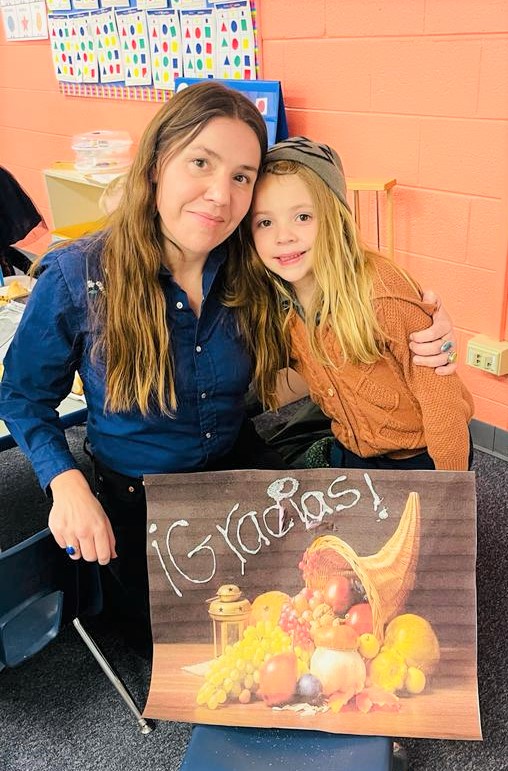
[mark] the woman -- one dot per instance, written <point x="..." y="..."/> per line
<point x="138" y="311"/>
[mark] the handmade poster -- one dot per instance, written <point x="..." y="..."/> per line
<point x="107" y="45"/>
<point x="329" y="599"/>
<point x="85" y="5"/>
<point x="84" y="46"/>
<point x="62" y="47"/>
<point x="25" y="21"/>
<point x="58" y="5"/>
<point x="165" y="47"/>
<point x="235" y="41"/>
<point x="115" y="3"/>
<point x="133" y="33"/>
<point x="152" y="4"/>
<point x="198" y="43"/>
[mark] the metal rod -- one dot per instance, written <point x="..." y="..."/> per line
<point x="144" y="726"/>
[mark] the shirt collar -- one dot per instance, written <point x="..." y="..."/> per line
<point x="214" y="262"/>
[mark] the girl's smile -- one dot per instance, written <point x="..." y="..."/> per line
<point x="284" y="228"/>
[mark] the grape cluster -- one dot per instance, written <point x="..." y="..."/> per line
<point x="296" y="626"/>
<point x="234" y="676"/>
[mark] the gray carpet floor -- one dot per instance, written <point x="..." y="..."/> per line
<point x="58" y="712"/>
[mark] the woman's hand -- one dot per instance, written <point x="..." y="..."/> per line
<point x="77" y="519"/>
<point x="436" y="346"/>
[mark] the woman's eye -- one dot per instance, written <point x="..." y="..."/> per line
<point x="243" y="178"/>
<point x="199" y="162"/>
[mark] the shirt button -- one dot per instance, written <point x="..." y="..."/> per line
<point x="331" y="392"/>
<point x="198" y="349"/>
<point x="203" y="395"/>
<point x="179" y="305"/>
<point x="208" y="435"/>
<point x="130" y="489"/>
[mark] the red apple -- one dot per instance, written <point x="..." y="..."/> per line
<point x="360" y="618"/>
<point x="338" y="594"/>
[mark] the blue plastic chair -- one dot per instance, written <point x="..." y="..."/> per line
<point x="41" y="590"/>
<point x="219" y="748"/>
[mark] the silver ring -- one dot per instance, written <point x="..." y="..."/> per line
<point x="452" y="357"/>
<point x="447" y="345"/>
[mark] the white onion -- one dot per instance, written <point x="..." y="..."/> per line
<point x="338" y="670"/>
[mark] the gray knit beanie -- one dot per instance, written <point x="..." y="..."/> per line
<point x="322" y="159"/>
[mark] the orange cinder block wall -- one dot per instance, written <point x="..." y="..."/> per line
<point x="413" y="90"/>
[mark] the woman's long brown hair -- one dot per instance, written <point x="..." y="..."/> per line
<point x="129" y="319"/>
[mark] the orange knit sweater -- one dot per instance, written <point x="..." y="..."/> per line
<point x="392" y="406"/>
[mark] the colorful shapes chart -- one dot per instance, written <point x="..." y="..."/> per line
<point x="107" y="42"/>
<point x="62" y="48"/>
<point x="132" y="29"/>
<point x="198" y="43"/>
<point x="25" y="21"/>
<point x="85" y="55"/>
<point x="236" y="58"/>
<point x="122" y="45"/>
<point x="165" y="47"/>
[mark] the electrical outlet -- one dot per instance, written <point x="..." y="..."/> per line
<point x="487" y="354"/>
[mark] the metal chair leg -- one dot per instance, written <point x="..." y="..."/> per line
<point x="399" y="759"/>
<point x="144" y="726"/>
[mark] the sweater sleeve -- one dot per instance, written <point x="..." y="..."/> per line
<point x="445" y="403"/>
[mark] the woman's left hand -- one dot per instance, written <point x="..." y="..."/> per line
<point x="436" y="346"/>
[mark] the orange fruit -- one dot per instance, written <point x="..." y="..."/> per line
<point x="267" y="607"/>
<point x="338" y="638"/>
<point x="413" y="637"/>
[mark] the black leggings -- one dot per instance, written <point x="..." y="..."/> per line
<point x="125" y="579"/>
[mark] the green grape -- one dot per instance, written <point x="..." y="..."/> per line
<point x="212" y="702"/>
<point x="248" y="681"/>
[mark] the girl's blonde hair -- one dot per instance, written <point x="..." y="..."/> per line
<point x="342" y="300"/>
<point x="129" y="318"/>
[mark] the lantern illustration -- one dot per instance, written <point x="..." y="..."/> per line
<point x="229" y="612"/>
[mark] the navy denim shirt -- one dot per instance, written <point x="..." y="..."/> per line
<point x="212" y="367"/>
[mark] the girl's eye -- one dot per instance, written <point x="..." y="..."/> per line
<point x="304" y="217"/>
<point x="264" y="224"/>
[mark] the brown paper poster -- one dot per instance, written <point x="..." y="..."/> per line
<point x="342" y="601"/>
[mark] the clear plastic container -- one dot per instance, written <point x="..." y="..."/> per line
<point x="102" y="150"/>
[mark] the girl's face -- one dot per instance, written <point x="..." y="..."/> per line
<point x="284" y="228"/>
<point x="205" y="189"/>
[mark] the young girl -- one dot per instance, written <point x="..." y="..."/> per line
<point x="313" y="298"/>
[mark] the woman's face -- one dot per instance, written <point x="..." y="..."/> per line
<point x="205" y="190"/>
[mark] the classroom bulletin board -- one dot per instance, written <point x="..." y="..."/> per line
<point x="136" y="49"/>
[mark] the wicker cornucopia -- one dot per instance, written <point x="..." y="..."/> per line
<point x="387" y="576"/>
